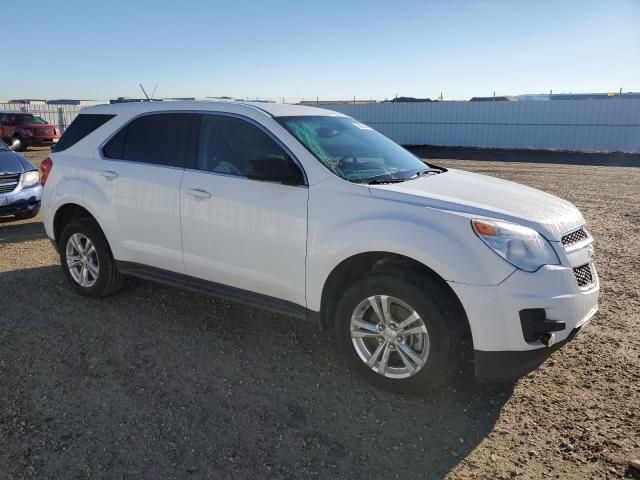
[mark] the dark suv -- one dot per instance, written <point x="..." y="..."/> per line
<point x="21" y="130"/>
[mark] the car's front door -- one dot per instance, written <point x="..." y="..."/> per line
<point x="237" y="231"/>
<point x="138" y="176"/>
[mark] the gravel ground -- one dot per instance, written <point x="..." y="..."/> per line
<point x="161" y="383"/>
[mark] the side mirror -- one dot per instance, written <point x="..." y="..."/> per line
<point x="275" y="169"/>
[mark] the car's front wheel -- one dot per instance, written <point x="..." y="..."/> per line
<point x="87" y="261"/>
<point x="402" y="334"/>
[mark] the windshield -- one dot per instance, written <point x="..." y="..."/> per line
<point x="28" y="119"/>
<point x="354" y="151"/>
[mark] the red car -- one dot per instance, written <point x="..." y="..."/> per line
<point x="21" y="130"/>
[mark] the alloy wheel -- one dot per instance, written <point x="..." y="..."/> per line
<point x="389" y="336"/>
<point x="82" y="260"/>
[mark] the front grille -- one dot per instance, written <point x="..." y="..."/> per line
<point x="574" y="237"/>
<point x="583" y="274"/>
<point x="44" y="131"/>
<point x="8" y="183"/>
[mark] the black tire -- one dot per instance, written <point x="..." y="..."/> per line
<point x="108" y="280"/>
<point x="434" y="305"/>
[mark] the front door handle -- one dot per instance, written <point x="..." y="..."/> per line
<point x="198" y="192"/>
<point x="109" y="174"/>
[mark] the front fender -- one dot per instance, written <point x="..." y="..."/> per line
<point x="24" y="133"/>
<point x="443" y="241"/>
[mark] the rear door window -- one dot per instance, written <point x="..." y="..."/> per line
<point x="82" y="126"/>
<point x="158" y="139"/>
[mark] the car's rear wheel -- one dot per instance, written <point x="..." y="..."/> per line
<point x="402" y="334"/>
<point x="87" y="261"/>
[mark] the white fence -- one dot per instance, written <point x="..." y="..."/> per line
<point x="607" y="125"/>
<point x="60" y="115"/>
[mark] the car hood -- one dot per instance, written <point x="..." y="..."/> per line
<point x="483" y="196"/>
<point x="11" y="162"/>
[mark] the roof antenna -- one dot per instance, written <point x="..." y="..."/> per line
<point x="145" y="93"/>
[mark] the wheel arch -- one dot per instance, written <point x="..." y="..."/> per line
<point x="361" y="264"/>
<point x="67" y="213"/>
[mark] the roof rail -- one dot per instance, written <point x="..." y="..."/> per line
<point x="247" y="104"/>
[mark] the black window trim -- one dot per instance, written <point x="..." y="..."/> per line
<point x="194" y="134"/>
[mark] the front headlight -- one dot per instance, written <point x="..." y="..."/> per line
<point x="29" y="179"/>
<point x="521" y="246"/>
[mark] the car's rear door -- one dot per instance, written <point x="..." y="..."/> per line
<point x="138" y="175"/>
<point x="241" y="232"/>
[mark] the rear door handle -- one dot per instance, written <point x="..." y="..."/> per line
<point x="198" y="192"/>
<point x="109" y="174"/>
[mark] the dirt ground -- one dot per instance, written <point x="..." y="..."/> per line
<point x="161" y="383"/>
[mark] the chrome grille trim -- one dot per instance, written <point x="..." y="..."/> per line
<point x="584" y="275"/>
<point x="8" y="183"/>
<point x="576" y="239"/>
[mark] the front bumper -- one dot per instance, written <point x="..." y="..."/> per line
<point x="501" y="350"/>
<point x="510" y="365"/>
<point x="37" y="141"/>
<point x="22" y="202"/>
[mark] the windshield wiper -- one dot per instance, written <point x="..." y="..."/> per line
<point x="390" y="180"/>
<point x="427" y="170"/>
<point x="378" y="181"/>
<point x="382" y="181"/>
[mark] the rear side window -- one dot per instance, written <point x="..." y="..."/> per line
<point x="82" y="126"/>
<point x="159" y="139"/>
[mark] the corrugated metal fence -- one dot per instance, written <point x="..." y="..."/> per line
<point x="61" y="115"/>
<point x="609" y="125"/>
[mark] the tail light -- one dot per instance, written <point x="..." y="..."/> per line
<point x="45" y="167"/>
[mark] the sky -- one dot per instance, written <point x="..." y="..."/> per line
<point x="329" y="49"/>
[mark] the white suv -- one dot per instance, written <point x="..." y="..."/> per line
<point x="310" y="213"/>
